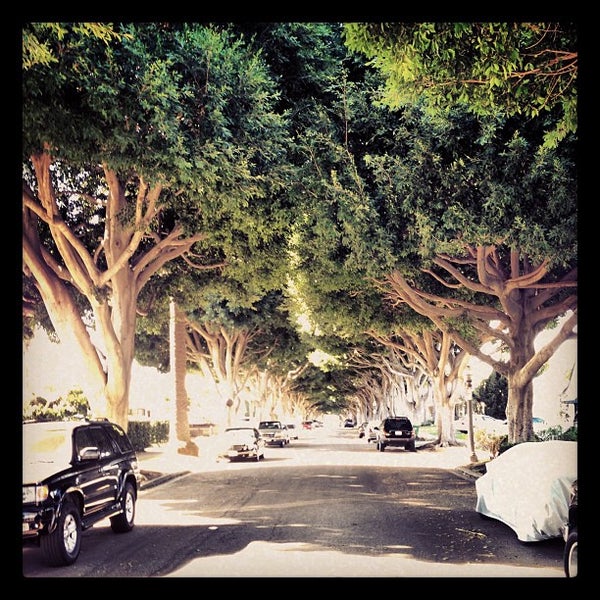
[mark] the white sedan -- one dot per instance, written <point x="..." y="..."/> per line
<point x="482" y="422"/>
<point x="528" y="488"/>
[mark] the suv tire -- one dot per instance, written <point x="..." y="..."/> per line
<point x="411" y="447"/>
<point x="124" y="522"/>
<point x="61" y="547"/>
<point x="570" y="555"/>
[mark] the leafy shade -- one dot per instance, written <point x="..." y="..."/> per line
<point x="520" y="68"/>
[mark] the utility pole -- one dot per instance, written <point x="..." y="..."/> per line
<point x="469" y="386"/>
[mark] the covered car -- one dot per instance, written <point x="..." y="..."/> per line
<point x="528" y="488"/>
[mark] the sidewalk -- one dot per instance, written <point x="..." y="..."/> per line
<point x="162" y="463"/>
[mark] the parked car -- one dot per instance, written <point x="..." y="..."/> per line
<point x="307" y="424"/>
<point x="482" y="422"/>
<point x="539" y="424"/>
<point x="395" y="432"/>
<point x="274" y="433"/>
<point x="528" y="486"/>
<point x="75" y="474"/>
<point x="242" y="443"/>
<point x="366" y="430"/>
<point x="570" y="535"/>
<point x="349" y="423"/>
<point x="291" y="427"/>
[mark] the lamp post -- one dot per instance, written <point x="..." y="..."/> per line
<point x="469" y="386"/>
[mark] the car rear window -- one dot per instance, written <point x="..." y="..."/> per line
<point x="398" y="424"/>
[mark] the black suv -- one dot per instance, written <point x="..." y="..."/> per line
<point x="75" y="473"/>
<point x="395" y="431"/>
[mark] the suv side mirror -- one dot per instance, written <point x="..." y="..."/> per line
<point x="89" y="453"/>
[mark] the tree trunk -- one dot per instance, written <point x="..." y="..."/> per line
<point x="111" y="291"/>
<point x="179" y="369"/>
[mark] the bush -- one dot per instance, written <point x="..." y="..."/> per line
<point x="491" y="442"/>
<point x="557" y="433"/>
<point x="145" y="433"/>
<point x="552" y="433"/>
<point x="74" y="406"/>
<point x="159" y="433"/>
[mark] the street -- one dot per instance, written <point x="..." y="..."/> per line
<point x="327" y="505"/>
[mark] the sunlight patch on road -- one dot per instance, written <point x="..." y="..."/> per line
<point x="264" y="559"/>
<point x="174" y="512"/>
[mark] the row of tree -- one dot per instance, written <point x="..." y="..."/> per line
<point x="280" y="188"/>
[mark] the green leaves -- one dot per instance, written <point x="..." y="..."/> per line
<point x="520" y="68"/>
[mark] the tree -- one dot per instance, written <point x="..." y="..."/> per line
<point x="138" y="150"/>
<point x="493" y="392"/>
<point x="493" y="214"/>
<point x="521" y="68"/>
<point x="469" y="220"/>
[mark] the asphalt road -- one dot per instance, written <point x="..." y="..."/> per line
<point x="327" y="505"/>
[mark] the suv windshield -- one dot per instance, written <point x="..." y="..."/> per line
<point x="47" y="443"/>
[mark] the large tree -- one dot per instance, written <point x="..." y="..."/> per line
<point x="477" y="199"/>
<point x="138" y="149"/>
<point x="493" y="216"/>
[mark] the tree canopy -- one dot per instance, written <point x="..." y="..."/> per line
<point x="521" y="68"/>
<point x="245" y="168"/>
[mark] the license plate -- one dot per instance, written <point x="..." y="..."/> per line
<point x="399" y="433"/>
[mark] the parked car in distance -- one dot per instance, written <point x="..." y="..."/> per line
<point x="242" y="443"/>
<point x="481" y="422"/>
<point x="75" y="474"/>
<point x="528" y="486"/>
<point x="274" y="433"/>
<point x="349" y="423"/>
<point x="307" y="424"/>
<point x="570" y="535"/>
<point x="291" y="427"/>
<point x="395" y="432"/>
<point x="539" y="424"/>
<point x="366" y="430"/>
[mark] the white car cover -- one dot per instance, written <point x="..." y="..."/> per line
<point x="528" y="488"/>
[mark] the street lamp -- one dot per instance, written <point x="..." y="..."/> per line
<point x="469" y="386"/>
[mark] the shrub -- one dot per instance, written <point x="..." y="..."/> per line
<point x="74" y="406"/>
<point x="491" y="442"/>
<point x="145" y="433"/>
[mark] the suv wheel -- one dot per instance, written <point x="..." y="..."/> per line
<point x="411" y="447"/>
<point x="123" y="522"/>
<point x="62" y="546"/>
<point x="570" y="555"/>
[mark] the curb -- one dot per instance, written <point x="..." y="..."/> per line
<point x="154" y="481"/>
<point x="468" y="473"/>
